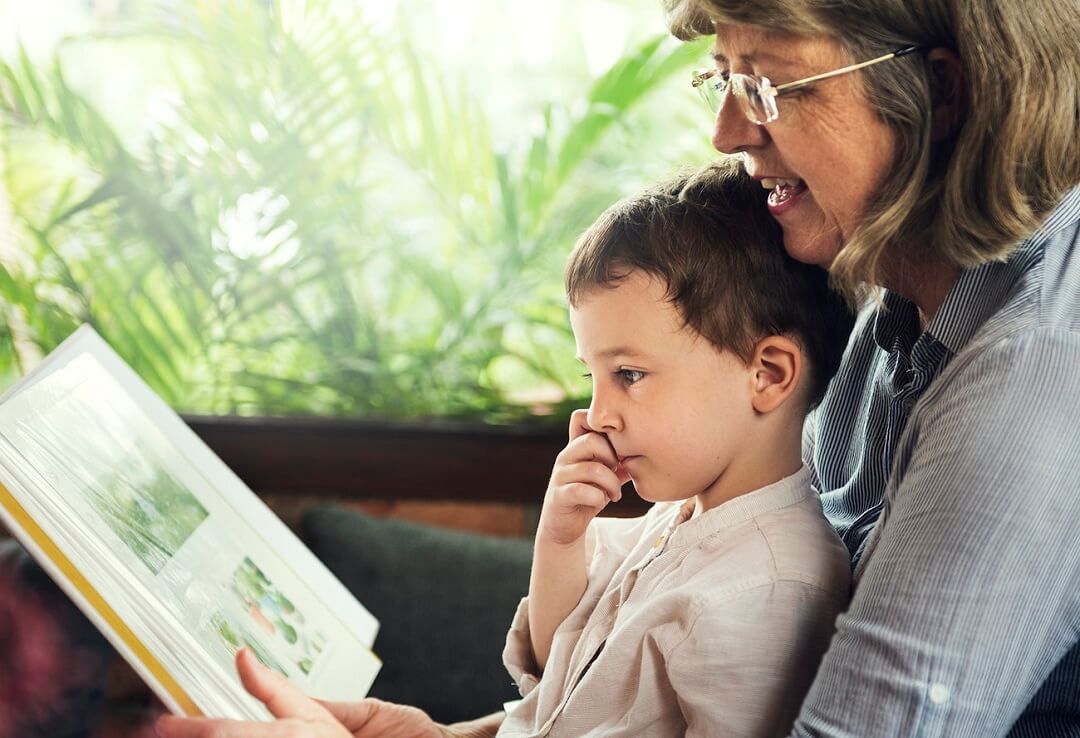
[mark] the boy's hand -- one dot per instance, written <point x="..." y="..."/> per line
<point x="586" y="477"/>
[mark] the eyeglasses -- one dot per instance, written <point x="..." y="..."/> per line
<point x="757" y="95"/>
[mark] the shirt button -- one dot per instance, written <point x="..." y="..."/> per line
<point x="939" y="694"/>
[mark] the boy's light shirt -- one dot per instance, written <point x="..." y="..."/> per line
<point x="696" y="625"/>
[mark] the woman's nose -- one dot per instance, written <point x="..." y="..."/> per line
<point x="733" y="131"/>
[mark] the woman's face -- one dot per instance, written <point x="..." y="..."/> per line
<point x="824" y="156"/>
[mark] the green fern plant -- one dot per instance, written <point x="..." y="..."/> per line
<point x="320" y="226"/>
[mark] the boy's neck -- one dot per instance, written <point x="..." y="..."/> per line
<point x="772" y="455"/>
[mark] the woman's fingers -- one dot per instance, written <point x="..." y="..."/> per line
<point x="355" y="715"/>
<point x="170" y="726"/>
<point x="282" y="699"/>
<point x="373" y="718"/>
<point x="288" y="704"/>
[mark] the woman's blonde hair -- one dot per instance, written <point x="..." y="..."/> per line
<point x="971" y="198"/>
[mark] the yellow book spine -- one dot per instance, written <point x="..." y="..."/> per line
<point x="94" y="599"/>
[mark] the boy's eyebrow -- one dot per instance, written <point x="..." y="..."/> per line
<point x="627" y="351"/>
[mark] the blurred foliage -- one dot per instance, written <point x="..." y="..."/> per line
<point x="319" y="224"/>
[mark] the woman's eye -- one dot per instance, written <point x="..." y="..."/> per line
<point x="796" y="92"/>
<point x="630" y="376"/>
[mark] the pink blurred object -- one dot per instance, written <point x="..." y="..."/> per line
<point x="52" y="661"/>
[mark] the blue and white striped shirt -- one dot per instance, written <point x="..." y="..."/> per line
<point x="949" y="462"/>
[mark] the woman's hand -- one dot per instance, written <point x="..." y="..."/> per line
<point x="299" y="716"/>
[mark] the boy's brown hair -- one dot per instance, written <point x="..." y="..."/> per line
<point x="709" y="237"/>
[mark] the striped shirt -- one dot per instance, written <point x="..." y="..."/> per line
<point x="949" y="462"/>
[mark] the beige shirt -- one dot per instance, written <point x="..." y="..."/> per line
<point x="704" y="626"/>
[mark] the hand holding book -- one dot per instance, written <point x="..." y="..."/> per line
<point x="295" y="712"/>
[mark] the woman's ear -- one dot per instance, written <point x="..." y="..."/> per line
<point x="948" y="93"/>
<point x="776" y="366"/>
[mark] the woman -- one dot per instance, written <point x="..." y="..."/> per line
<point x="945" y="171"/>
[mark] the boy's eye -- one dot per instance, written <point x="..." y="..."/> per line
<point x="630" y="376"/>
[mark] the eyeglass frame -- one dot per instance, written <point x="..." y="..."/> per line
<point x="769" y="92"/>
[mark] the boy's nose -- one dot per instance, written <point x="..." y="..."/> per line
<point x="602" y="417"/>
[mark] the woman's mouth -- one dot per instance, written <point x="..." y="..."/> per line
<point x="784" y="194"/>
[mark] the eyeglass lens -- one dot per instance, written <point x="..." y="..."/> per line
<point x="746" y="88"/>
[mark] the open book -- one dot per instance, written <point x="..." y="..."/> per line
<point x="173" y="558"/>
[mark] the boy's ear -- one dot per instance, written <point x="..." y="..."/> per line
<point x="776" y="366"/>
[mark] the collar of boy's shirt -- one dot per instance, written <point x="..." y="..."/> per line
<point x="788" y="491"/>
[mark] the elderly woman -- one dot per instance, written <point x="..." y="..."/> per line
<point x="928" y="155"/>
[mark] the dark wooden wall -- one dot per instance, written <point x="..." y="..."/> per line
<point x="383" y="462"/>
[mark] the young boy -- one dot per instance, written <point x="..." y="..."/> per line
<point x="706" y="345"/>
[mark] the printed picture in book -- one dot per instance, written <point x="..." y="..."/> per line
<point x="273" y="615"/>
<point x="118" y="474"/>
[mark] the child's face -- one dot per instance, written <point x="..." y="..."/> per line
<point x="676" y="409"/>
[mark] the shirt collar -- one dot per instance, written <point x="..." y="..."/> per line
<point x="896" y="323"/>
<point x="788" y="491"/>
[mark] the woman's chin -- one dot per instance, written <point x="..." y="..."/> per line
<point x="812" y="246"/>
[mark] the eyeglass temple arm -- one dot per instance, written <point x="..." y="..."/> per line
<point x="844" y="70"/>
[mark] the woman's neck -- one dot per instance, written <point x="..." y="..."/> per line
<point x="925" y="283"/>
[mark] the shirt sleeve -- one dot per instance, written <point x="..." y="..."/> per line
<point x="518" y="655"/>
<point x="968" y="592"/>
<point x="609" y="540"/>
<point x="745" y="663"/>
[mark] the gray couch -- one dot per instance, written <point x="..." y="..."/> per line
<point x="444" y="600"/>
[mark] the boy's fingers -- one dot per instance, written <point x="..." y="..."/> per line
<point x="281" y="698"/>
<point x="592" y="447"/>
<point x="590" y="473"/>
<point x="586" y="495"/>
<point x="579" y="424"/>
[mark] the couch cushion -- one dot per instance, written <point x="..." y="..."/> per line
<point x="444" y="600"/>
